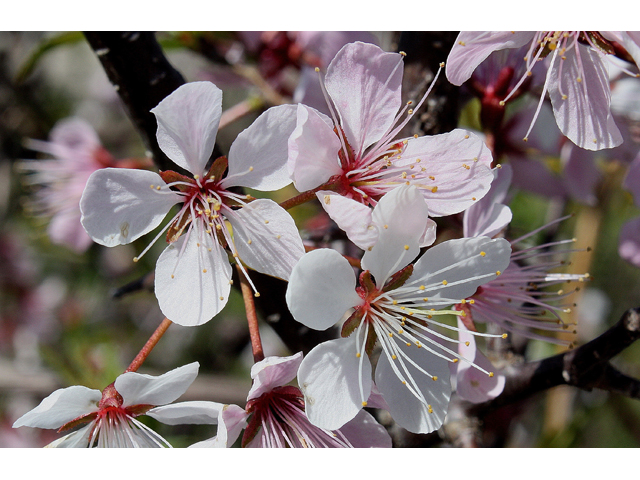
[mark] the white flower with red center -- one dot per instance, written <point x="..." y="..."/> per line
<point x="193" y="274"/>
<point x="577" y="77"/>
<point x="395" y="306"/>
<point x="109" y="417"/>
<point x="275" y="415"/>
<point x="358" y="147"/>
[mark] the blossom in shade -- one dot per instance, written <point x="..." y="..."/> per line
<point x="577" y="76"/>
<point x="193" y="274"/>
<point x="109" y="417"/>
<point x="519" y="300"/>
<point x="275" y="415"/>
<point x="77" y="153"/>
<point x="394" y="305"/>
<point x="357" y="147"/>
<point x="472" y="384"/>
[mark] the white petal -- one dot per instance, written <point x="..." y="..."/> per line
<point x="351" y="216"/>
<point x="321" y="289"/>
<point x="258" y="156"/>
<point x="118" y="206"/>
<point x="313" y="150"/>
<point x="195" y="412"/>
<point x="365" y="83"/>
<point x="365" y="432"/>
<point x="585" y="115"/>
<point x="266" y="238"/>
<point x="188" y="124"/>
<point x="192" y="286"/>
<point x="231" y="421"/>
<point x="401" y="217"/>
<point x="405" y="408"/>
<point x="141" y="389"/>
<point x="273" y="372"/>
<point x="456" y="171"/>
<point x="77" y="439"/>
<point x="329" y="379"/>
<point x="60" y="407"/>
<point x="461" y="265"/>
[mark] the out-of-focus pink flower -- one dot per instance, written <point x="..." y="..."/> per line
<point x="275" y="415"/>
<point x="577" y="76"/>
<point x="77" y="153"/>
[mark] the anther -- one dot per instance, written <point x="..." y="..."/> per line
<point x="482" y="254"/>
<point x="504" y="335"/>
<point x="434" y="378"/>
<point x="491" y="374"/>
<point x="444" y="282"/>
<point x="434" y="189"/>
<point x="257" y="294"/>
<point x="406" y="247"/>
<point x="498" y="273"/>
<point x="364" y="404"/>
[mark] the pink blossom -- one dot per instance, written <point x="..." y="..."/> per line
<point x="77" y="153"/>
<point x="275" y="415"/>
<point x="193" y="274"/>
<point x="577" y="76"/>
<point x="358" y="146"/>
<point x="519" y="300"/>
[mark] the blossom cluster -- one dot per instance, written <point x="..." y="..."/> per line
<point x="437" y="277"/>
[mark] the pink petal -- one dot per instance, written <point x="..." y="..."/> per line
<point x="365" y="83"/>
<point x="313" y="150"/>
<point x="188" y="124"/>
<point x="453" y="172"/>
<point x="365" y="432"/>
<point x="472" y="48"/>
<point x="585" y="115"/>
<point x="273" y="372"/>
<point x="258" y="155"/>
<point x="118" y="206"/>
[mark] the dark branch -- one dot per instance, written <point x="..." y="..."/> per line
<point x="142" y="75"/>
<point x="587" y="367"/>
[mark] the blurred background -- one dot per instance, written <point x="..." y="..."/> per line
<point x="68" y="317"/>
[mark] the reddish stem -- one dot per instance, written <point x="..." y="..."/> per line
<point x="304" y="197"/>
<point x="252" y="318"/>
<point x="151" y="343"/>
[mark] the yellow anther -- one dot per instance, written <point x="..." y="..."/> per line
<point x="579" y="80"/>
<point x="219" y="227"/>
<point x="135" y="259"/>
<point x="386" y="226"/>
<point x="172" y="276"/>
<point x="504" y="335"/>
<point x="455" y="360"/>
<point x="221" y="298"/>
<point x="152" y="187"/>
<point x="400" y="332"/>
<point x="257" y="294"/>
<point x="391" y="334"/>
<point x="364" y="404"/>
<point x="406" y="247"/>
<point x="461" y="43"/>
<point x="393" y="357"/>
<point x="251" y="169"/>
<point x="441" y="64"/>
<point x="463" y="301"/>
<point x="249" y="242"/>
<point x="472" y="302"/>
<point x="395" y="302"/>
<point x="444" y="282"/>
<point x="408" y="344"/>
<point x="425" y="299"/>
<point x="501" y="103"/>
<point x="266" y="222"/>
<point x="434" y="378"/>
<point x="491" y="374"/>
<point x="358" y="355"/>
<point x="158" y="187"/>
<point x="564" y="97"/>
<point x="402" y="53"/>
<point x="498" y="272"/>
<point x="204" y="270"/>
<point x="482" y="254"/>
<point x="434" y="189"/>
<point x="466" y="343"/>
<point x="415" y="135"/>
<point x="466" y="136"/>
<point x="422" y="287"/>
<point x="430" y="409"/>
<point x="464" y="165"/>
<point x="410" y="111"/>
<point x="317" y="69"/>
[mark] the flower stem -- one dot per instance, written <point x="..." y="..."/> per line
<point x="304" y="197"/>
<point x="252" y="318"/>
<point x="151" y="343"/>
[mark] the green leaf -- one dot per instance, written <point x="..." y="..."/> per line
<point x="67" y="38"/>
